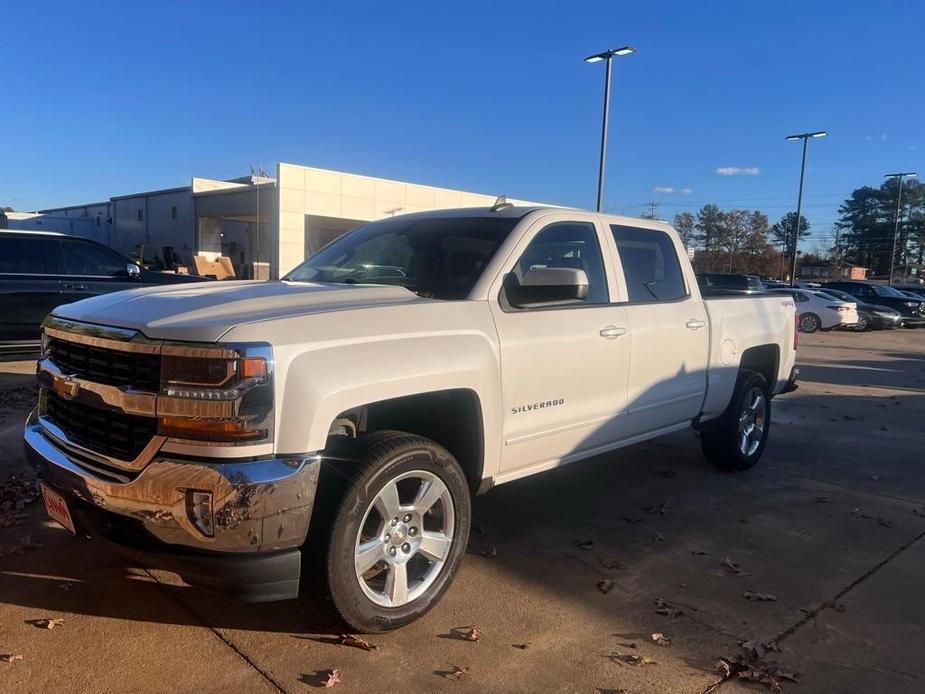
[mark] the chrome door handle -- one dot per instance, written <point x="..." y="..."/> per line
<point x="612" y="332"/>
<point x="695" y="324"/>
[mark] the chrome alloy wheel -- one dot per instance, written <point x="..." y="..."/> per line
<point x="752" y="421"/>
<point x="404" y="539"/>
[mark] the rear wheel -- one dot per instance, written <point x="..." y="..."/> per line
<point x="399" y="532"/>
<point x="809" y="323"/>
<point x="737" y="440"/>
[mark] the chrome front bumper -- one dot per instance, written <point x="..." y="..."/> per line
<point x="259" y="506"/>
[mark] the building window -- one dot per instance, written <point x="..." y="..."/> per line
<point x="173" y="212"/>
<point x="141" y="215"/>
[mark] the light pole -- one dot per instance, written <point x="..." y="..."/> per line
<point x="796" y="231"/>
<point x="899" y="199"/>
<point x="608" y="56"/>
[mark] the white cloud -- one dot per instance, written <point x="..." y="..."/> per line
<point x="882" y="137"/>
<point x="738" y="171"/>
<point x="669" y="190"/>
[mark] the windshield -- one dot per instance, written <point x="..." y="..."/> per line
<point x="880" y="290"/>
<point x="438" y="257"/>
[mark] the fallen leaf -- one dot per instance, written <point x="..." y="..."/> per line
<point x="919" y="512"/>
<point x="632" y="659"/>
<point x="658" y="537"/>
<point x="699" y="552"/>
<point x="821" y="500"/>
<point x="632" y="519"/>
<point x="657" y="509"/>
<point x="489" y="553"/>
<point x="660" y="639"/>
<point x="611" y="564"/>
<point x="758" y="597"/>
<point x="585" y="545"/>
<point x="521" y="646"/>
<point x="664" y="607"/>
<point x="605" y="586"/>
<point x="734" y="568"/>
<point x="9" y="658"/>
<point x="629" y="645"/>
<point x="48" y="623"/>
<point x="471" y="634"/>
<point x="332" y="677"/>
<point x="357" y="642"/>
<point x="458" y="672"/>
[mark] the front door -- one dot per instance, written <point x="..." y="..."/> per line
<point x="564" y="365"/>
<point x="91" y="269"/>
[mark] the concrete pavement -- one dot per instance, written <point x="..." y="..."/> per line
<point x="826" y="524"/>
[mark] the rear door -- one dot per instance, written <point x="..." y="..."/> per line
<point x="564" y="368"/>
<point x="669" y="332"/>
<point x="91" y="269"/>
<point x="29" y="285"/>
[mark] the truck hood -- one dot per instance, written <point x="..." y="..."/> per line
<point x="203" y="312"/>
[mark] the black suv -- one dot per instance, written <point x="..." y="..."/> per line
<point x="41" y="270"/>
<point x="912" y="311"/>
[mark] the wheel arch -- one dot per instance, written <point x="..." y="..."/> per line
<point x="451" y="417"/>
<point x="765" y="359"/>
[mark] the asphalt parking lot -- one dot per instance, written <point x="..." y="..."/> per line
<point x="831" y="525"/>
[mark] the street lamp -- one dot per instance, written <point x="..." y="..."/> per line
<point x="899" y="197"/>
<point x="608" y="56"/>
<point x="796" y="231"/>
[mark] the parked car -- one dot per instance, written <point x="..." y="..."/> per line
<point x="350" y="419"/>
<point x="917" y="289"/>
<point x="870" y="316"/>
<point x="773" y="284"/>
<point x="912" y="310"/>
<point x="806" y="284"/>
<point x="718" y="283"/>
<point x="818" y="311"/>
<point x="42" y="270"/>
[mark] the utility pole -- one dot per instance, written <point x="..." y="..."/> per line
<point x="651" y="214"/>
<point x="899" y="200"/>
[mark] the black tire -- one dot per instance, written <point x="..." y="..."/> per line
<point x="721" y="442"/>
<point x="862" y="325"/>
<point x="379" y="458"/>
<point x="809" y="323"/>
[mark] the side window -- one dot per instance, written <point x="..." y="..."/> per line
<point x="800" y="297"/>
<point x="650" y="264"/>
<point x="568" y="245"/>
<point x="89" y="259"/>
<point x="26" y="256"/>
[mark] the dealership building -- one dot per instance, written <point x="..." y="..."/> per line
<point x="266" y="225"/>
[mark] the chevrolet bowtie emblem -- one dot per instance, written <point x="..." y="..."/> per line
<point x="65" y="386"/>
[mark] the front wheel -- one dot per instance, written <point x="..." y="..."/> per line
<point x="861" y="325"/>
<point x="737" y="440"/>
<point x="399" y="533"/>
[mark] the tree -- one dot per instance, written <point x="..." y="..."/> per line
<point x="686" y="223"/>
<point x="782" y="232"/>
<point x="742" y="231"/>
<point x="708" y="229"/>
<point x="867" y="223"/>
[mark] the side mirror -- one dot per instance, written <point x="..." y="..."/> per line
<point x="133" y="271"/>
<point x="546" y="286"/>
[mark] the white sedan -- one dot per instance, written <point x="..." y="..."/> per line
<point x="819" y="311"/>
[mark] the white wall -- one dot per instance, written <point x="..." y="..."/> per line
<point x="304" y="190"/>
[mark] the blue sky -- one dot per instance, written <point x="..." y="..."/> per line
<point x="103" y="99"/>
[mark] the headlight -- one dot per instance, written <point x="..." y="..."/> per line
<point x="912" y="304"/>
<point x="221" y="394"/>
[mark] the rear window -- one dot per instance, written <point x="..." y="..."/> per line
<point x="650" y="264"/>
<point x="26" y="256"/>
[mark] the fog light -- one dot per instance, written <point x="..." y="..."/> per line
<point x="199" y="510"/>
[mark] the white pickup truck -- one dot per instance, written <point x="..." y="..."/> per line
<point x="340" y="420"/>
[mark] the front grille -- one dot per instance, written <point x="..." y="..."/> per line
<point x="107" y="366"/>
<point x="111" y="433"/>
